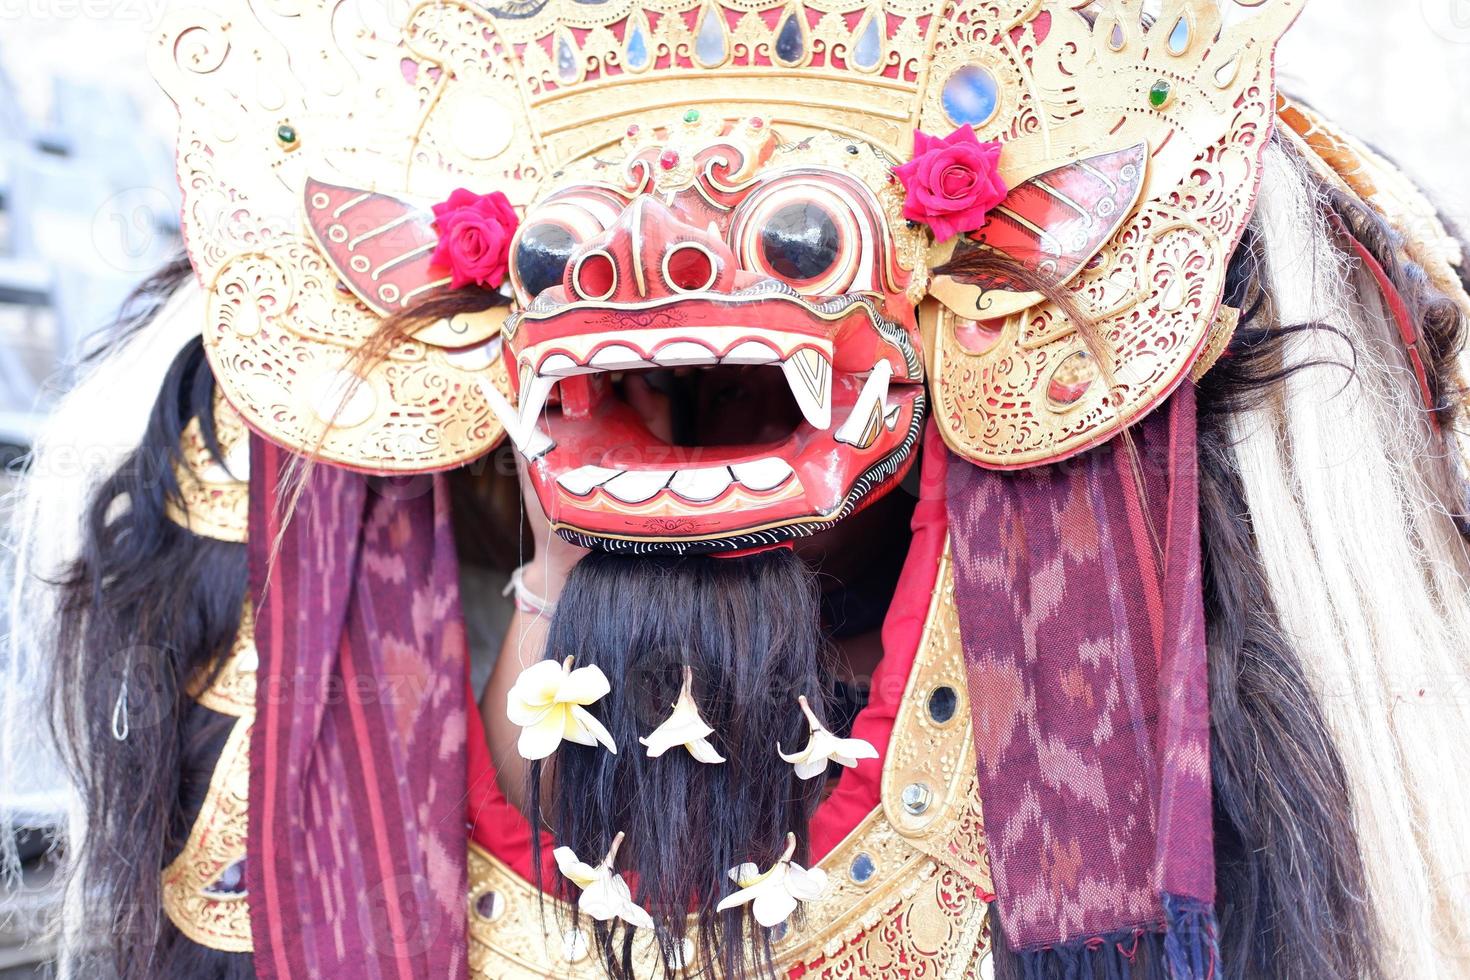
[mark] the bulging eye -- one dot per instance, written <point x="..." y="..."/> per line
<point x="811" y="230"/>
<point x="541" y="256"/>
<point x="801" y="242"/>
<point x="552" y="232"/>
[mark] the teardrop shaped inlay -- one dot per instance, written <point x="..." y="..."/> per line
<point x="867" y="51"/>
<point x="1179" y="36"/>
<point x="1070" y="381"/>
<point x="566" y="60"/>
<point x="790" y="40"/>
<point x="1115" y="39"/>
<point x="635" y="51"/>
<point x="710" y="44"/>
<point x="1226" y="73"/>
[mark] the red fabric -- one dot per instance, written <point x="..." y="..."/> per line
<point x="356" y="861"/>
<point x="502" y="829"/>
<point x="1081" y="612"/>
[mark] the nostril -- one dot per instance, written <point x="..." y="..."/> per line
<point x="594" y="276"/>
<point x="690" y="268"/>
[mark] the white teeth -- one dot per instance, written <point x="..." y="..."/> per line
<point x="684" y="352"/>
<point x="584" y="479"/>
<point x="537" y="445"/>
<point x="890" y="418"/>
<point x="701" y="484"/>
<point x="528" y="439"/>
<point x="697" y="485"/>
<point x="763" y="474"/>
<point x="562" y="366"/>
<point x="616" y="357"/>
<point x="636" y="486"/>
<point x="809" y="374"/>
<point x="534" y="393"/>
<point x="752" y="352"/>
<point x="861" y="427"/>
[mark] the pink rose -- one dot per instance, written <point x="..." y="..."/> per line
<point x="474" y="237"/>
<point x="951" y="182"/>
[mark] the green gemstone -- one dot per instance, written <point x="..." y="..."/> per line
<point x="286" y="134"/>
<point x="1159" y="95"/>
<point x="691" y="116"/>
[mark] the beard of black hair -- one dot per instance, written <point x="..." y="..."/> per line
<point x="749" y="630"/>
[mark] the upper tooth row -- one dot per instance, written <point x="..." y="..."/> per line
<point x="680" y="353"/>
<point x="696" y="484"/>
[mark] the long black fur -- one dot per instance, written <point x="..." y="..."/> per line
<point x="749" y="628"/>
<point x="150" y="605"/>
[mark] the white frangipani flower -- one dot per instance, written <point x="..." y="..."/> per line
<point x="684" y="727"/>
<point x="549" y="702"/>
<point x="605" y="896"/>
<point x="773" y="895"/>
<point x="812" y="761"/>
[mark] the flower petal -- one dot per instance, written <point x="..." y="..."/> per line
<point x="538" y="683"/>
<point x="745" y="875"/>
<point x="806" y="884"/>
<point x="811" y="769"/>
<point x="591" y="730"/>
<point x="856" y="748"/>
<point x="541" y="739"/>
<point x="525" y="713"/>
<point x="795" y="756"/>
<point x="585" y="685"/>
<point x="578" y="872"/>
<point x="704" y="752"/>
<point x="773" y="905"/>
<point x="736" y="899"/>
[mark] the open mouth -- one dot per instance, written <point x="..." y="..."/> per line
<point x="694" y="433"/>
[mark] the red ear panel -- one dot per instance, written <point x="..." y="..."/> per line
<point x="378" y="244"/>
<point x="1053" y="224"/>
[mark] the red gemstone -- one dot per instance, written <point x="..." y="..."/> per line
<point x="633" y="130"/>
<point x="668" y="159"/>
<point x="756" y="122"/>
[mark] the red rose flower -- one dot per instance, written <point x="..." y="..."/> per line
<point x="951" y="182"/>
<point x="474" y="237"/>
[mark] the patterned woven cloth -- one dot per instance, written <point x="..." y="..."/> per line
<point x="1082" y="620"/>
<point x="356" y="864"/>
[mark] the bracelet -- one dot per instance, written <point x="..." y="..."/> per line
<point x="525" y="600"/>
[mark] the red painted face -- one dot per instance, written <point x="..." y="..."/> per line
<point x="713" y="349"/>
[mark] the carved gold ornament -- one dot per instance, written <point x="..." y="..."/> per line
<point x="214" y="494"/>
<point x="907" y="889"/>
<point x="409" y="103"/>
<point x="204" y="886"/>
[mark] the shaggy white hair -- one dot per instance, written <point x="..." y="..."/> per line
<point x="93" y="429"/>
<point x="1368" y="573"/>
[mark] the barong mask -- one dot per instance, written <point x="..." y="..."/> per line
<point x="702" y="186"/>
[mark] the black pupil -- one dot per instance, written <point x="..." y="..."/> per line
<point x="799" y="242"/>
<point x="541" y="256"/>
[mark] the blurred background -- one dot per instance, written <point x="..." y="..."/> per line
<point x="88" y="201"/>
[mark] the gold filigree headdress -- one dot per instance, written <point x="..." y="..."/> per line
<point x="1133" y="145"/>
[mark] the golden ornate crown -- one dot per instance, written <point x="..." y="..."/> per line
<point x="454" y="94"/>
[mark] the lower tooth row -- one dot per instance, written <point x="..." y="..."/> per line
<point x="698" y="484"/>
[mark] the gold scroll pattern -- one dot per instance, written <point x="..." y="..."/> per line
<point x="219" y="919"/>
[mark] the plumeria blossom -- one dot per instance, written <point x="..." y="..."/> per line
<point x="684" y="727"/>
<point x="773" y="895"/>
<point x="823" y="747"/>
<point x="549" y="702"/>
<point x="605" y="896"/>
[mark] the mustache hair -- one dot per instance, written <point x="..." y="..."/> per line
<point x="749" y="630"/>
